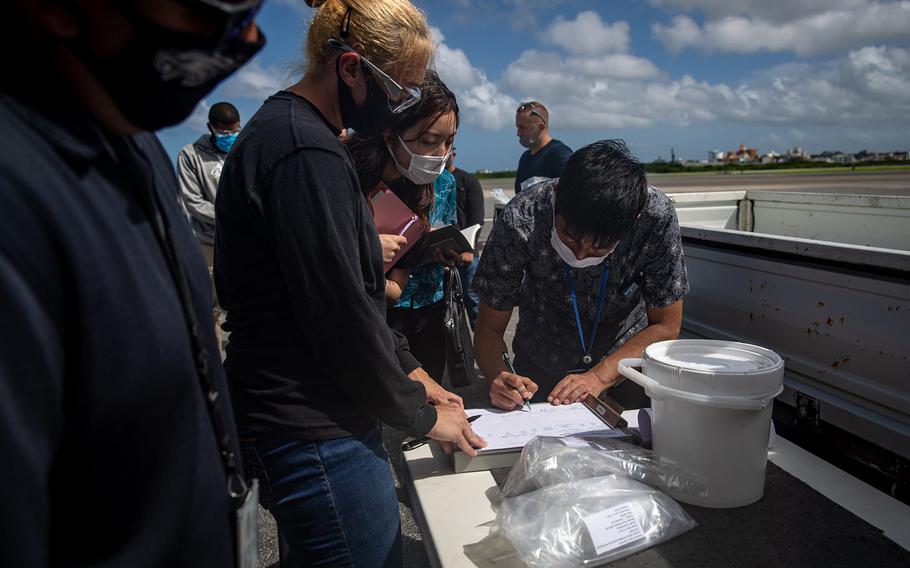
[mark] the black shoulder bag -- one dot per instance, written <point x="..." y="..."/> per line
<point x="459" y="346"/>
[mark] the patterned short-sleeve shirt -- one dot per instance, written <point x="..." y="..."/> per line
<point x="519" y="267"/>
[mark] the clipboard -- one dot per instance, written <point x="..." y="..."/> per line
<point x="610" y="413"/>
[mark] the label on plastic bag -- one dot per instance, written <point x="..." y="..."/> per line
<point x="613" y="527"/>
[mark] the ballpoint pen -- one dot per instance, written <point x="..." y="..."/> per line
<point x="417" y="442"/>
<point x="526" y="405"/>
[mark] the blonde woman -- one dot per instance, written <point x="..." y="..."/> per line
<point x="312" y="364"/>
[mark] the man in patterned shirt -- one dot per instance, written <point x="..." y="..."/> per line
<point x="595" y="262"/>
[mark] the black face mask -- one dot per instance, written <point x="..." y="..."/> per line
<point x="162" y="75"/>
<point x="374" y="116"/>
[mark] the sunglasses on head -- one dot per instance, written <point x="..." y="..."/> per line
<point x="531" y="107"/>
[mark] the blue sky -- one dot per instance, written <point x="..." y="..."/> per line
<point x="691" y="75"/>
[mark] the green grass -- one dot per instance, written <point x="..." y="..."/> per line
<point x="820" y="170"/>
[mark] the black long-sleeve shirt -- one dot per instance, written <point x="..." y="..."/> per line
<point x="108" y="455"/>
<point x="298" y="267"/>
<point x="468" y="199"/>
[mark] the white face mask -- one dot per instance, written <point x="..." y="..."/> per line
<point x="563" y="250"/>
<point x="423" y="169"/>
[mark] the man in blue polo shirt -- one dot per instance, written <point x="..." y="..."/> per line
<point x="545" y="156"/>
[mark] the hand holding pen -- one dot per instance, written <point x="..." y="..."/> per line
<point x="510" y="390"/>
<point x="417" y="442"/>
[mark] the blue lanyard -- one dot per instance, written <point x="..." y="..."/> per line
<point x="600" y="302"/>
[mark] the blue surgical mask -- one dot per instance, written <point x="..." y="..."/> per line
<point x="225" y="141"/>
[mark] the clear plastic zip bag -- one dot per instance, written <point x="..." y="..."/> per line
<point x="546" y="461"/>
<point x="587" y="522"/>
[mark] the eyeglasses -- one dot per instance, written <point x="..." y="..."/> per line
<point x="531" y="107"/>
<point x="400" y="98"/>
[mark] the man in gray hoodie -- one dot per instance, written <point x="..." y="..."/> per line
<point x="199" y="169"/>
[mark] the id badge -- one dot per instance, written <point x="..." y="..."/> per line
<point x="247" y="524"/>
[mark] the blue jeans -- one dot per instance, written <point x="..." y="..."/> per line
<point x="471" y="299"/>
<point x="334" y="500"/>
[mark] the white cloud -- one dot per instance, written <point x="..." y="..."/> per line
<point x="775" y="11"/>
<point x="806" y="28"/>
<point x="868" y="85"/>
<point x="588" y="34"/>
<point x="480" y="101"/>
<point x="865" y="89"/>
<point x="253" y="81"/>
<point x="617" y="66"/>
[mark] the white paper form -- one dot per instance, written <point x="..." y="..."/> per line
<point x="505" y="429"/>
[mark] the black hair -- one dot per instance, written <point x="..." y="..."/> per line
<point x="435" y="100"/>
<point x="223" y="113"/>
<point x="601" y="191"/>
<point x="370" y="155"/>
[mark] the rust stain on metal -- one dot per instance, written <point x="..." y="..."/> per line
<point x="830" y="321"/>
<point x="840" y="362"/>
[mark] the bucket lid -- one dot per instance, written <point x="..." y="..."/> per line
<point x="725" y="368"/>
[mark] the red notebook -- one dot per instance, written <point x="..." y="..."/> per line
<point x="392" y="217"/>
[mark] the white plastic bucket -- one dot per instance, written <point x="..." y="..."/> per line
<point x="711" y="407"/>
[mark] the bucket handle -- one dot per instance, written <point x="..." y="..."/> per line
<point x="658" y="391"/>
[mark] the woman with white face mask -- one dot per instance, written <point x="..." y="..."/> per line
<point x="410" y="158"/>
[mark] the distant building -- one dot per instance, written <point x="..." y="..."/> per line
<point x="742" y="155"/>
<point x="715" y="156"/>
<point x="771" y="157"/>
<point x="796" y="154"/>
<point x="842" y="158"/>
